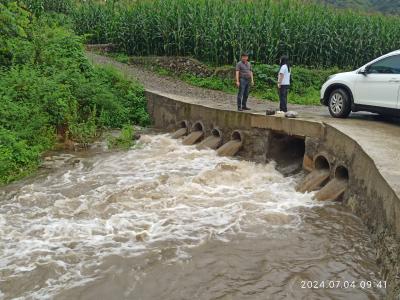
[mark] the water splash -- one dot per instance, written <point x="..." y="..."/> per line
<point x="124" y="214"/>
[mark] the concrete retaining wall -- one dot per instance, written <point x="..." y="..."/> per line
<point x="370" y="196"/>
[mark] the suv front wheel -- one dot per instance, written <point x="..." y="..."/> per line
<point x="339" y="104"/>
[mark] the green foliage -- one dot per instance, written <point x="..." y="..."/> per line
<point x="120" y="57"/>
<point x="48" y="86"/>
<point x="17" y="158"/>
<point x="83" y="131"/>
<point x="306" y="82"/>
<point x="216" y="31"/>
<point x="14" y="29"/>
<point x="124" y="140"/>
<point x="213" y="82"/>
<point x="38" y="7"/>
<point x="384" y="6"/>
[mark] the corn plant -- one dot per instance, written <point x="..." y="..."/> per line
<point x="216" y="31"/>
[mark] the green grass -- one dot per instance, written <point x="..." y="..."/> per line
<point x="120" y="57"/>
<point x="306" y="82"/>
<point x="213" y="83"/>
<point x="261" y="90"/>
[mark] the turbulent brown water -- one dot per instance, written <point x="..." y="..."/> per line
<point x="167" y="221"/>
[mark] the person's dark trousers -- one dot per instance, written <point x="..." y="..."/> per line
<point x="243" y="93"/>
<point x="283" y="91"/>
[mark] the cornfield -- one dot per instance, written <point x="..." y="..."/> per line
<point x="217" y="31"/>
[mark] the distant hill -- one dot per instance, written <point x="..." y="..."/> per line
<point x="391" y="7"/>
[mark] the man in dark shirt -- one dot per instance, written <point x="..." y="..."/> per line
<point x="244" y="77"/>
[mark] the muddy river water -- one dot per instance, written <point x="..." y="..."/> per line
<point x="167" y="221"/>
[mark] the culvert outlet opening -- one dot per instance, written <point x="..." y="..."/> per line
<point x="183" y="129"/>
<point x="287" y="151"/>
<point x="196" y="135"/>
<point x="237" y="136"/>
<point x="214" y="141"/>
<point x="336" y="188"/>
<point x="184" y="124"/>
<point x="216" y="133"/>
<point x="342" y="173"/>
<point x="318" y="178"/>
<point x="198" y="126"/>
<point x="232" y="147"/>
<point x="321" y="163"/>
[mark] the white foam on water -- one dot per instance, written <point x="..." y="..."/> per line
<point x="128" y="203"/>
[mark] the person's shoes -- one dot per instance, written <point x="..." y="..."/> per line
<point x="246" y="108"/>
<point x="240" y="109"/>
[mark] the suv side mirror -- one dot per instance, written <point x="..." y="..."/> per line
<point x="364" y="71"/>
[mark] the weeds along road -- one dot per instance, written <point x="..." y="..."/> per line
<point x="169" y="85"/>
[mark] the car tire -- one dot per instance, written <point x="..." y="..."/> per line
<point x="339" y="103"/>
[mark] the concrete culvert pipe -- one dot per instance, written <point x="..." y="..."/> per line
<point x="336" y="188"/>
<point x="342" y="173"/>
<point x="182" y="131"/>
<point x="216" y="132"/>
<point x="318" y="178"/>
<point x="237" y="136"/>
<point x="213" y="141"/>
<point x="184" y="124"/>
<point x="196" y="134"/>
<point x="321" y="163"/>
<point x="198" y="126"/>
<point x="232" y="147"/>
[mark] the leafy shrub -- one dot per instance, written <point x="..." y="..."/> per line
<point x="83" y="131"/>
<point x="124" y="140"/>
<point x="48" y="86"/>
<point x="17" y="157"/>
<point x="14" y="28"/>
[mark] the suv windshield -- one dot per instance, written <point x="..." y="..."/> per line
<point x="388" y="65"/>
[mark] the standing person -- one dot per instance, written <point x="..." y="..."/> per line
<point x="244" y="77"/>
<point x="283" y="82"/>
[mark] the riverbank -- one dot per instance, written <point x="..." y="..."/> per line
<point x="50" y="93"/>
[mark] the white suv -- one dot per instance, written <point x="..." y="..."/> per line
<point x="375" y="87"/>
